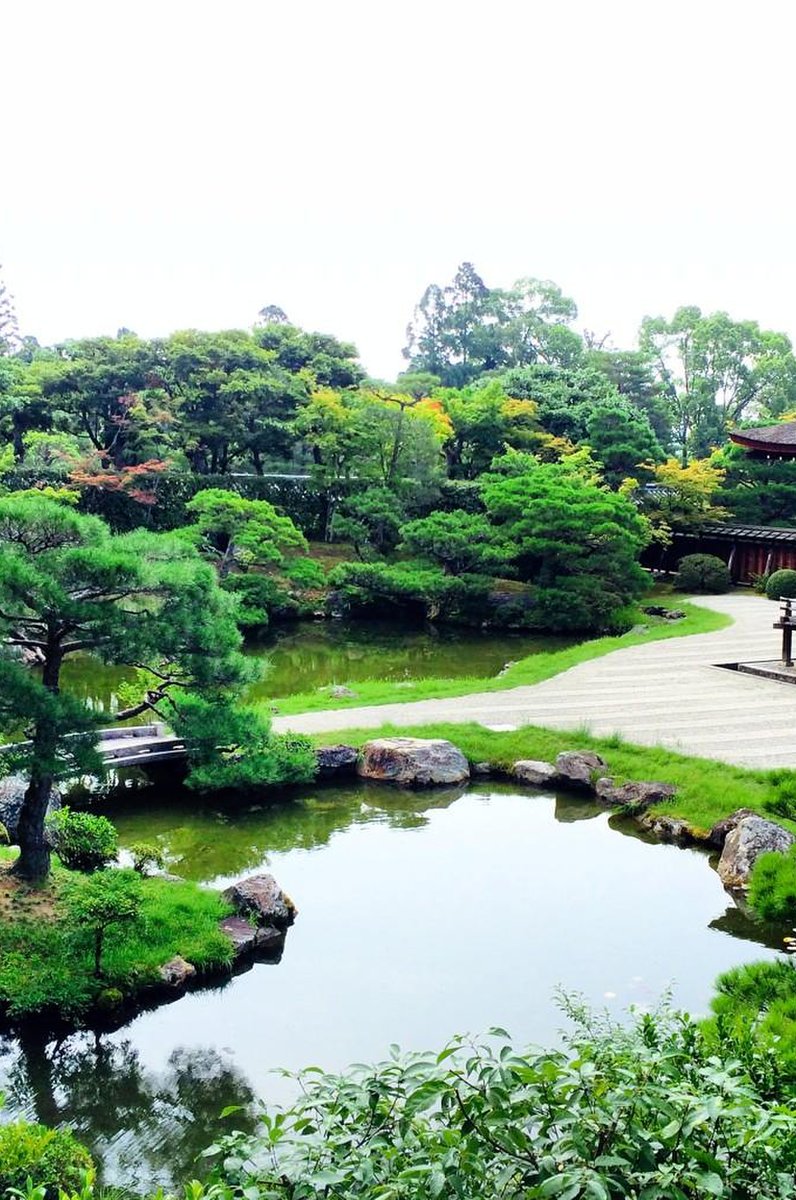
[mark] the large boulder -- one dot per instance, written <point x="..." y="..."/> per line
<point x="12" y="793"/>
<point x="750" y="838"/>
<point x="336" y="760"/>
<point x="721" y="830"/>
<point x="535" y="772"/>
<point x="577" y="768"/>
<point x="248" y="940"/>
<point x="261" y="897"/>
<point x="415" y="762"/>
<point x="638" y="794"/>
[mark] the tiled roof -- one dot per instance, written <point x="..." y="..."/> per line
<point x="780" y="435"/>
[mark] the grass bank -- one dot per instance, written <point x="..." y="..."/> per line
<point x="706" y="790"/>
<point x="46" y="963"/>
<point x="530" y="670"/>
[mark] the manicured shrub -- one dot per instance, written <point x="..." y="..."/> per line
<point x="52" y="1158"/>
<point x="781" y="583"/>
<point x="261" y="600"/>
<point x="305" y="573"/>
<point x="759" y="999"/>
<point x="146" y="856"/>
<point x="703" y="573"/>
<point x="772" y="887"/>
<point x="82" y="841"/>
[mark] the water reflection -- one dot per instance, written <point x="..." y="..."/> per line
<point x="143" y="1126"/>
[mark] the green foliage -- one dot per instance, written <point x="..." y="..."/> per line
<point x="146" y="857"/>
<point x="621" y="438"/>
<point x="703" y="573"/>
<point x="576" y="543"/>
<point x="644" y="1111"/>
<point x="425" y="593"/>
<point x="261" y="599"/>
<point x="759" y="998"/>
<point x="305" y="573"/>
<point x="53" y="1158"/>
<point x="772" y="887"/>
<point x="82" y="841"/>
<point x="47" y="966"/>
<point x="101" y="900"/>
<point x="233" y="747"/>
<point x="370" y="520"/>
<point x="457" y="542"/>
<point x="781" y="583"/>
<point x="233" y="531"/>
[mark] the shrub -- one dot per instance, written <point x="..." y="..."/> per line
<point x="703" y="573"/>
<point x="781" y="583"/>
<point x="305" y="573"/>
<point x="759" y="997"/>
<point x="146" y="856"/>
<point x="649" y="1110"/>
<point x="82" y="841"/>
<point x="772" y="887"/>
<point x="104" y="899"/>
<point x="53" y="1158"/>
<point x="261" y="600"/>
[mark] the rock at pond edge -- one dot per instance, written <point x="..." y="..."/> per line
<point x="722" y="829"/>
<point x="750" y="838"/>
<point x="177" y="972"/>
<point x="336" y="760"/>
<point x="577" y="767"/>
<point x="415" y="762"/>
<point x="535" y="772"/>
<point x="261" y="897"/>
<point x="635" y="794"/>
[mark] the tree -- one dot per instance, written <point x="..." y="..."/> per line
<point x="371" y="520"/>
<point x="68" y="586"/>
<point x="577" y="543"/>
<point x="564" y="396"/>
<point x="679" y="499"/>
<point x="99" y="901"/>
<point x="717" y="372"/>
<point x="457" y="541"/>
<point x="235" y="532"/>
<point x="622" y="440"/>
<point x="272" y="314"/>
<point x="485" y="421"/>
<point x="9" y="329"/>
<point x="632" y="374"/>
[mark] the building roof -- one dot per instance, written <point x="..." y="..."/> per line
<point x="747" y="533"/>
<point x="776" y="439"/>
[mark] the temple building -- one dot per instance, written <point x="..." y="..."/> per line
<point x="772" y="441"/>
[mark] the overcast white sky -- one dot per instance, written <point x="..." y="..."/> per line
<point x="181" y="164"/>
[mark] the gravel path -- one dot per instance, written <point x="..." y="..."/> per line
<point x="668" y="693"/>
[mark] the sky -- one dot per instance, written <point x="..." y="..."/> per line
<point x="179" y="164"/>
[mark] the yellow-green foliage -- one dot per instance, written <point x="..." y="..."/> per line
<point x="52" y="1157"/>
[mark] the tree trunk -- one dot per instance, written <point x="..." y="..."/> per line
<point x="34" y="851"/>
<point x="98" y="932"/>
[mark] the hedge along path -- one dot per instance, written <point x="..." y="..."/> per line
<point x="661" y="693"/>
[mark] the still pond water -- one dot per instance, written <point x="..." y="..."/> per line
<point x="312" y="654"/>
<point x="420" y="915"/>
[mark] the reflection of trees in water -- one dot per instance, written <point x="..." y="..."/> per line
<point x="203" y="840"/>
<point x="143" y="1128"/>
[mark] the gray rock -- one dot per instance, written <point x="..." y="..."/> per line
<point x="577" y="767"/>
<point x="337" y="760"/>
<point x="750" y="838"/>
<point x="415" y="762"/>
<point x="718" y="834"/>
<point x="12" y="793"/>
<point x="668" y="829"/>
<point x="636" y="794"/>
<point x="481" y="768"/>
<point x="531" y="770"/>
<point x="261" y="897"/>
<point x="248" y="939"/>
<point x="339" y="692"/>
<point x="177" y="972"/>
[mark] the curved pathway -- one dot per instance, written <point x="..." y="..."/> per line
<point x="668" y="693"/>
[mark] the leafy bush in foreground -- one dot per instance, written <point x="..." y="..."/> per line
<point x="703" y="573"/>
<point x="53" y="1158"/>
<point x="82" y="841"/>
<point x="760" y="998"/>
<point x="646" y="1112"/>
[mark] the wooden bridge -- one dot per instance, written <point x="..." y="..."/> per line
<point x="136" y="746"/>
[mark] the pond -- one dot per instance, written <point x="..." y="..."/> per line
<point x="420" y="915"/>
<point x="312" y="654"/>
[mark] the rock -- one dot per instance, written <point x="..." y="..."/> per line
<point x="261" y="897"/>
<point x="482" y="768"/>
<point x="417" y="762"/>
<point x="12" y="793"/>
<point x="336" y="760"/>
<point x="504" y="670"/>
<point x="339" y="692"/>
<point x="177" y="972"/>
<point x="636" y="794"/>
<point x="750" y="838"/>
<point x="660" y="610"/>
<point x="576" y="767"/>
<point x="668" y="829"/>
<point x="531" y="770"/>
<point x="249" y="939"/>
<point x="718" y="834"/>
